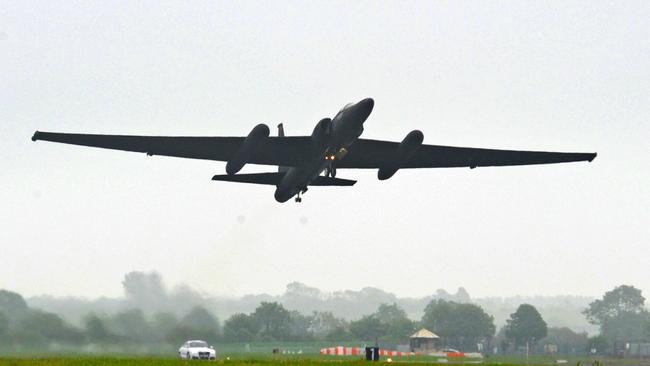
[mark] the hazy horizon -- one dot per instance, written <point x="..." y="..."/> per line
<point x="333" y="291"/>
<point x="176" y="286"/>
<point x="569" y="76"/>
<point x="149" y="293"/>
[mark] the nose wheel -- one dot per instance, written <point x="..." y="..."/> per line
<point x="302" y="191"/>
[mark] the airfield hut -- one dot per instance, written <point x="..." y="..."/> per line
<point x="423" y="341"/>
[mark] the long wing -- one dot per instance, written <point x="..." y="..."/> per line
<point x="377" y="154"/>
<point x="290" y="151"/>
<point x="285" y="151"/>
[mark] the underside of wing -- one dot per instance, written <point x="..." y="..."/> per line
<point x="378" y="154"/>
<point x="285" y="151"/>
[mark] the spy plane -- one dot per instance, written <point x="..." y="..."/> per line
<point x="305" y="161"/>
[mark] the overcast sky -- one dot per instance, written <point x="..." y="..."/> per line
<point x="563" y="76"/>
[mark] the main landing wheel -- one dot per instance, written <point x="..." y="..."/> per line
<point x="330" y="171"/>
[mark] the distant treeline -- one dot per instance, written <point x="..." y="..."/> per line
<point x="139" y="323"/>
<point x="461" y="326"/>
<point x="148" y="292"/>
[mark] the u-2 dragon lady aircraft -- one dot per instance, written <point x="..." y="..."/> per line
<point x="334" y="144"/>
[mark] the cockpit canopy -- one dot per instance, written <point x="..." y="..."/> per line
<point x="344" y="108"/>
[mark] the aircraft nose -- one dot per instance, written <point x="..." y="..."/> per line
<point x="366" y="106"/>
<point x="281" y="196"/>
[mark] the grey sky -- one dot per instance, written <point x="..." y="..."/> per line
<point x="565" y="76"/>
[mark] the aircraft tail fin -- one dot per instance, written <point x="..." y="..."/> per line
<point x="281" y="169"/>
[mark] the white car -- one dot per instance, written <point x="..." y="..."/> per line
<point x="197" y="350"/>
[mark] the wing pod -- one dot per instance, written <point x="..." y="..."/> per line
<point x="251" y="144"/>
<point x="404" y="152"/>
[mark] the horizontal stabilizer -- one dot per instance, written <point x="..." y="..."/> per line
<point x="328" y="181"/>
<point x="275" y="178"/>
<point x="272" y="179"/>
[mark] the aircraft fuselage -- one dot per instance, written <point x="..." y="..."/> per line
<point x="341" y="132"/>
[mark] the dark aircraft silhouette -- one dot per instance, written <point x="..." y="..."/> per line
<point x="334" y="144"/>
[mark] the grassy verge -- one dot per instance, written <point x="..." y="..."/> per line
<point x="291" y="360"/>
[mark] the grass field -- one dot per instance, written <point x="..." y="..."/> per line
<point x="234" y="354"/>
<point x="290" y="360"/>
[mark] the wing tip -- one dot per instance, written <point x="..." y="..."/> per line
<point x="592" y="157"/>
<point x="36" y="135"/>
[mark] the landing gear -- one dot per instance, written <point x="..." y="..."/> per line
<point x="331" y="170"/>
<point x="302" y="191"/>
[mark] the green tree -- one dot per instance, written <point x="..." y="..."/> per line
<point x="369" y="328"/>
<point x="439" y="317"/>
<point x="197" y="324"/>
<point x="597" y="345"/>
<point x="626" y="327"/>
<point x="324" y="323"/>
<point x="200" y="318"/>
<point x="459" y="325"/>
<point x="12" y="304"/>
<point x="96" y="331"/>
<point x="4" y="328"/>
<point x="339" y="333"/>
<point x="4" y="324"/>
<point x="622" y="316"/>
<point x="162" y="325"/>
<point x="132" y="326"/>
<point x="240" y="328"/>
<point x="525" y="326"/>
<point x="145" y="290"/>
<point x="621" y="300"/>
<point x="473" y="325"/>
<point x="273" y="321"/>
<point x="398" y="325"/>
<point x="39" y="327"/>
<point x="567" y="341"/>
<point x="300" y="326"/>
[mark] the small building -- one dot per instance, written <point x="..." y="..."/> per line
<point x="423" y="341"/>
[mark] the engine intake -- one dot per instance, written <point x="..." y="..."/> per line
<point x="251" y="144"/>
<point x="405" y="151"/>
